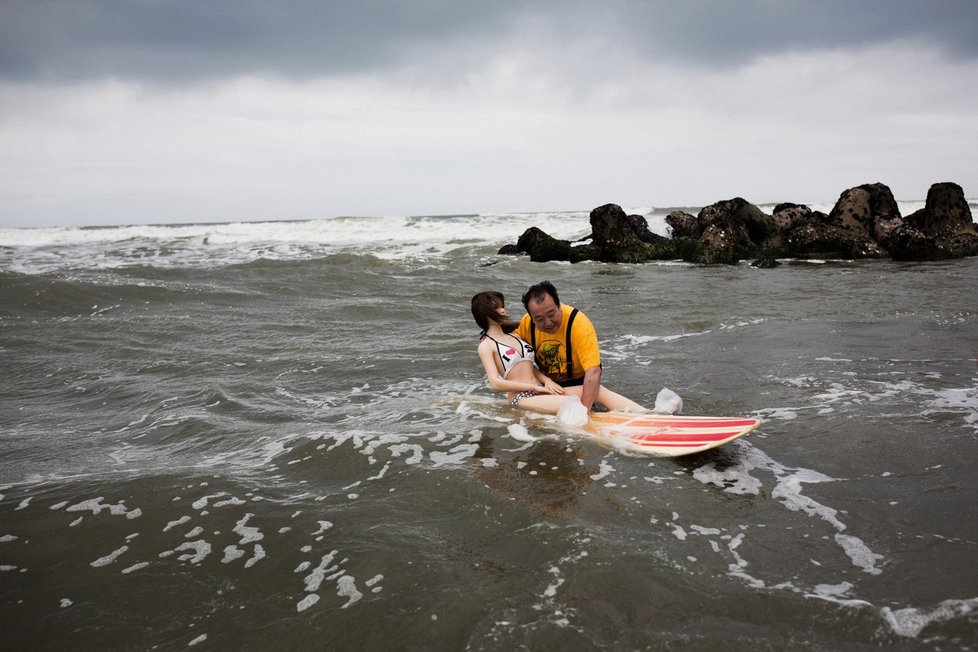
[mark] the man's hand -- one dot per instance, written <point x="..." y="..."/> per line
<point x="592" y="383"/>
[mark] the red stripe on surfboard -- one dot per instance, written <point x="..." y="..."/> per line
<point x="691" y="422"/>
<point x="679" y="444"/>
<point x="636" y="416"/>
<point x="675" y="437"/>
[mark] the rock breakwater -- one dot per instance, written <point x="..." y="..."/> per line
<point x="864" y="223"/>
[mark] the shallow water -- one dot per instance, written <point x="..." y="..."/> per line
<point x="246" y="439"/>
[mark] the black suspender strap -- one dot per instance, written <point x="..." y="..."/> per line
<point x="567" y="343"/>
<point x="568" y="347"/>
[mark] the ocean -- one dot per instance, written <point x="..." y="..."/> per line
<point x="278" y="436"/>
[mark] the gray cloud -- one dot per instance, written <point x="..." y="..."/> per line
<point x="725" y="33"/>
<point x="72" y="39"/>
<point x="143" y="111"/>
<point x="183" y="40"/>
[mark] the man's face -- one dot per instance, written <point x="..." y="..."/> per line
<point x="546" y="314"/>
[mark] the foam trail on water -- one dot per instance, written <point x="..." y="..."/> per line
<point x="788" y="491"/>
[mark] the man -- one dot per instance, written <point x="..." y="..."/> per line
<point x="565" y="341"/>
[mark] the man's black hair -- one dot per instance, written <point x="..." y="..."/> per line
<point x="538" y="292"/>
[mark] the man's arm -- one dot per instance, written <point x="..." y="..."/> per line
<point x="589" y="356"/>
<point x="592" y="382"/>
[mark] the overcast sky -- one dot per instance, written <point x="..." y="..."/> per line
<point x="154" y="111"/>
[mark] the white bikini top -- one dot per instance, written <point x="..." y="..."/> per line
<point x="511" y="356"/>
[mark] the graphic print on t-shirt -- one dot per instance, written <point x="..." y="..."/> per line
<point x="549" y="355"/>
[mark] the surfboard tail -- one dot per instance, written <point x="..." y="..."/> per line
<point x="666" y="435"/>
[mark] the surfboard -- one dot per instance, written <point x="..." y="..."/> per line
<point x="666" y="435"/>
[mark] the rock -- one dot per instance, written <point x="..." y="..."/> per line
<point x="963" y="244"/>
<point x="945" y="213"/>
<point x="884" y="227"/>
<point x="822" y="240"/>
<point x="730" y="230"/>
<point x="739" y="213"/>
<point x="720" y="244"/>
<point x="849" y="231"/>
<point x="907" y="242"/>
<point x="610" y="227"/>
<point x="620" y="238"/>
<point x="864" y="223"/>
<point x="942" y="229"/>
<point x="683" y="225"/>
<point x="585" y="252"/>
<point x="539" y="246"/>
<point x="765" y="261"/>
<point x="859" y="208"/>
<point x="788" y="216"/>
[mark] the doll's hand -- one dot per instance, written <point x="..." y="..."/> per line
<point x="550" y="387"/>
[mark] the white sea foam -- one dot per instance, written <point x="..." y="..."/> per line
<point x="956" y="400"/>
<point x="909" y="622"/>
<point x="374" y="583"/>
<point x="417" y="452"/>
<point x="45" y="249"/>
<point x="208" y="245"/>
<point x="109" y="558"/>
<point x="248" y="534"/>
<point x="455" y="456"/>
<point x="556" y="571"/>
<point x="201" y="503"/>
<point x="838" y="593"/>
<point x="198" y="551"/>
<point x="963" y="400"/>
<point x="519" y="432"/>
<point x="637" y="340"/>
<point x="705" y="531"/>
<point x="734" y="480"/>
<point x="314" y="579"/>
<point x="604" y="468"/>
<point x="323" y="526"/>
<point x="258" y="555"/>
<point x="679" y="532"/>
<point x="551" y="589"/>
<point x="306" y="602"/>
<point x="859" y="553"/>
<point x="173" y="524"/>
<point x="229" y="501"/>
<point x="742" y="324"/>
<point x="231" y="553"/>
<point x="788" y="490"/>
<point x="782" y="413"/>
<point x="346" y="587"/>
<point x="96" y="506"/>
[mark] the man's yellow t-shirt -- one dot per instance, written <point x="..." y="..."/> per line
<point x="551" y="349"/>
